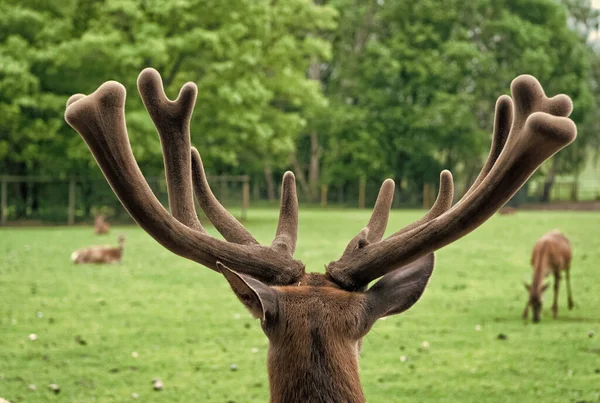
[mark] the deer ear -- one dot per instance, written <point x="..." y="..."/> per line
<point x="397" y="291"/>
<point x="260" y="299"/>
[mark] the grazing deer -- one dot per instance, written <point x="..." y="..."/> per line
<point x="100" y="254"/>
<point x="551" y="255"/>
<point x="100" y="225"/>
<point x="314" y="322"/>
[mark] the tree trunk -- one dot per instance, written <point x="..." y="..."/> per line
<point x="300" y="175"/>
<point x="314" y="73"/>
<point x="549" y="182"/>
<point x="35" y="197"/>
<point x="313" y="168"/>
<point x="270" y="184"/>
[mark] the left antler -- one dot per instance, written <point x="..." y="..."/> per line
<point x="100" y="119"/>
<point x="525" y="135"/>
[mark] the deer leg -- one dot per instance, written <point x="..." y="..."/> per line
<point x="569" y="294"/>
<point x="556" y="286"/>
<point x="526" y="311"/>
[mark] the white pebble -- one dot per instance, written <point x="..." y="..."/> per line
<point x="234" y="367"/>
<point x="425" y="344"/>
<point x="40" y="314"/>
<point x="237" y="316"/>
<point x="591" y="334"/>
<point x="134" y="354"/>
<point x="134" y="395"/>
<point x="157" y="384"/>
<point x="254" y="350"/>
<point x="32" y="387"/>
<point x="478" y="328"/>
<point x="33" y="337"/>
<point x="402" y="358"/>
<point x="570" y="373"/>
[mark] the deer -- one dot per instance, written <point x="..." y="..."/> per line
<point x="507" y="210"/>
<point x="105" y="254"/>
<point x="551" y="255"/>
<point x="314" y="321"/>
<point x="100" y="225"/>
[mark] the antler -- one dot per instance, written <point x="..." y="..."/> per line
<point x="525" y="135"/>
<point x="100" y="120"/>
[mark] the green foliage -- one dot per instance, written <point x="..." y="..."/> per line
<point x="414" y="84"/>
<point x="248" y="59"/>
<point x="188" y="328"/>
<point x="367" y="89"/>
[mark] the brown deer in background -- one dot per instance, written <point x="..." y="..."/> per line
<point x="507" y="210"/>
<point x="100" y="254"/>
<point x="314" y="322"/>
<point x="100" y="225"/>
<point x="551" y="255"/>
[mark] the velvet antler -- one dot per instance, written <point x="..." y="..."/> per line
<point x="526" y="134"/>
<point x="100" y="120"/>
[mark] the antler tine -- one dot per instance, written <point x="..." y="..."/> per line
<point x="172" y="121"/>
<point x="377" y="224"/>
<point x="227" y="225"/>
<point x="539" y="130"/>
<point x="100" y="120"/>
<point x="287" y="227"/>
<point x="503" y="119"/>
<point x="443" y="202"/>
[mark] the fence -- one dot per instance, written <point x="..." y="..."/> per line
<point x="36" y="200"/>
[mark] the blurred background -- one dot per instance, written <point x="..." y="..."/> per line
<point x="344" y="92"/>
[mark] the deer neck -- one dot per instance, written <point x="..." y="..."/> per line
<point x="322" y="373"/>
<point x="539" y="272"/>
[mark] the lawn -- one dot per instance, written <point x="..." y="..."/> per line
<point x="188" y="329"/>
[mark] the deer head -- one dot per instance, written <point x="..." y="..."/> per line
<point x="314" y="322"/>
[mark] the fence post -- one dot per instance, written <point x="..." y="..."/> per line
<point x="72" y="201"/>
<point x="427" y="196"/>
<point x="362" y="190"/>
<point x="3" y="203"/>
<point x="245" y="198"/>
<point x="324" y="195"/>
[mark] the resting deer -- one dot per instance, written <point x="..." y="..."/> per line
<point x="100" y="225"/>
<point x="314" y="322"/>
<point x="507" y="210"/>
<point x="100" y="254"/>
<point x="551" y="255"/>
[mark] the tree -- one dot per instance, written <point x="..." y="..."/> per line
<point x="413" y="84"/>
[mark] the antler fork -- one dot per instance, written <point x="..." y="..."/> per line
<point x="100" y="120"/>
<point x="526" y="133"/>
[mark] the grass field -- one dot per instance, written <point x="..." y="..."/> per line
<point x="188" y="328"/>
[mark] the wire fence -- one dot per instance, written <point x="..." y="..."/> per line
<point x="45" y="200"/>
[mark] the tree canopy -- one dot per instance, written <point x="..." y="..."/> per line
<point x="337" y="89"/>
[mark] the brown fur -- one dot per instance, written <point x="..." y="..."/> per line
<point x="551" y="255"/>
<point x="507" y="210"/>
<point x="313" y="351"/>
<point x="314" y="322"/>
<point x="100" y="254"/>
<point x="100" y="225"/>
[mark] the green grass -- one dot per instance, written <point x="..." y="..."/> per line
<point x="188" y="328"/>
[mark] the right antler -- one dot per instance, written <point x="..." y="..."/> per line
<point x="100" y="120"/>
<point x="521" y="143"/>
